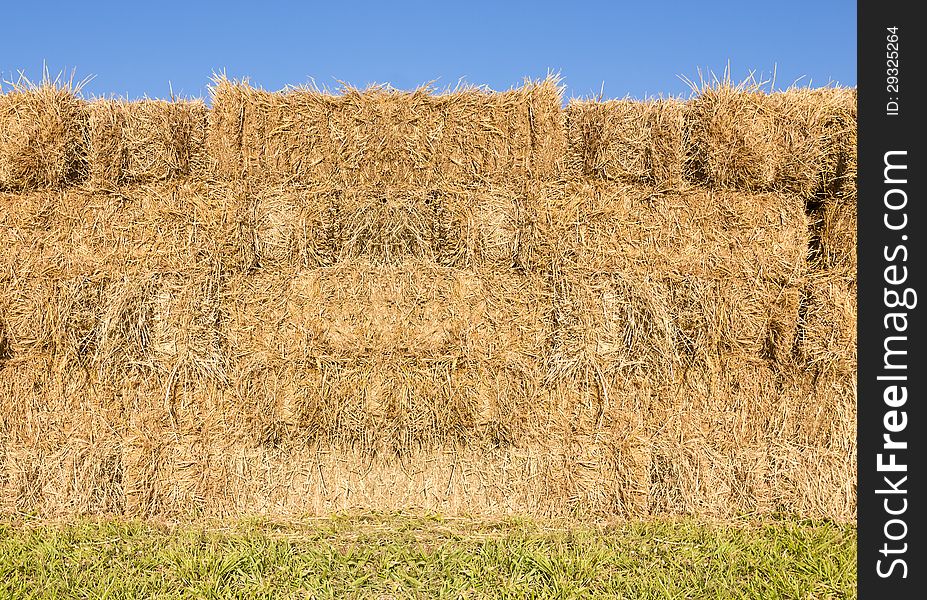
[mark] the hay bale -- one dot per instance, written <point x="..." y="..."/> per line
<point x="185" y="333"/>
<point x="641" y="142"/>
<point x="380" y="279"/>
<point x="398" y="353"/>
<point x="732" y="264"/>
<point x="845" y="144"/>
<point x="834" y="124"/>
<point x="255" y="133"/>
<point x="381" y="137"/>
<point x="595" y="128"/>
<point x="147" y="140"/>
<point x="59" y="441"/>
<point x="814" y="459"/>
<point x="719" y="450"/>
<point x="546" y="121"/>
<point x="609" y="324"/>
<point x="828" y="340"/>
<point x="166" y="322"/>
<point x="817" y="136"/>
<point x="117" y="283"/>
<point x="161" y="227"/>
<point x="450" y="226"/>
<point x="801" y="141"/>
<point x="837" y="231"/>
<point x="721" y="233"/>
<point x="718" y="318"/>
<point x="732" y="139"/>
<point x="55" y="316"/>
<point x="41" y="137"/>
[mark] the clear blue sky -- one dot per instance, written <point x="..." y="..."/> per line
<point x="636" y="49"/>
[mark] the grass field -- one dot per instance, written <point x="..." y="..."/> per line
<point x="396" y="556"/>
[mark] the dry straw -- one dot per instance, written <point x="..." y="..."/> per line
<point x="641" y="142"/>
<point x="382" y="137"/>
<point x="727" y="267"/>
<point x="469" y="302"/>
<point x="147" y="140"/>
<point x="41" y="134"/>
<point x="801" y="141"/>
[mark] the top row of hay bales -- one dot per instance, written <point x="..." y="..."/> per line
<point x="801" y="141"/>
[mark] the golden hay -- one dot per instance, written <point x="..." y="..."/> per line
<point x="384" y="138"/>
<point x="817" y="138"/>
<point x="837" y="231"/>
<point x="828" y="343"/>
<point x="644" y="454"/>
<point x="386" y="346"/>
<point x="148" y="140"/>
<point x="41" y="137"/>
<point x="730" y="266"/>
<point x="732" y="136"/>
<point x="322" y="226"/>
<point x="641" y="142"/>
<point x="801" y="141"/>
<point x="398" y="300"/>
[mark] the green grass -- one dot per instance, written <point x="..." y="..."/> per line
<point x="392" y="556"/>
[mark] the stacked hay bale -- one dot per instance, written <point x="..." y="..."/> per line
<point x="471" y="302"/>
<point x="627" y="140"/>
<point x="384" y="139"/>
<point x="41" y="130"/>
<point x="756" y="276"/>
<point x="147" y="140"/>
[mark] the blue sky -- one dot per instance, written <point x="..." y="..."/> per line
<point x="634" y="49"/>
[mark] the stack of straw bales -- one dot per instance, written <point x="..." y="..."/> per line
<point x="382" y="138"/>
<point x="41" y="137"/>
<point x="628" y="140"/>
<point x="148" y="140"/>
<point x="471" y="302"/>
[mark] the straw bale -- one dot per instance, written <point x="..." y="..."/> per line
<point x="814" y="463"/>
<point x="54" y="316"/>
<point x="609" y="323"/>
<point x="381" y="136"/>
<point x="166" y="226"/>
<point x="719" y="450"/>
<point x="801" y="141"/>
<point x="837" y="231"/>
<point x="41" y="137"/>
<point x="61" y="451"/>
<point x="283" y="226"/>
<point x="844" y="168"/>
<point x="387" y="300"/>
<point x="731" y="264"/>
<point x="705" y="446"/>
<point x="828" y="341"/>
<point x="115" y="282"/>
<point x="401" y="355"/>
<point x="147" y="140"/>
<point x="733" y="142"/>
<point x="835" y="125"/>
<point x="166" y="321"/>
<point x="701" y="232"/>
<point x="817" y="135"/>
<point x="220" y="480"/>
<point x="548" y="128"/>
<point x="640" y="142"/>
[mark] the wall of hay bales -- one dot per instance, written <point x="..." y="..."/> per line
<point x="471" y="302"/>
